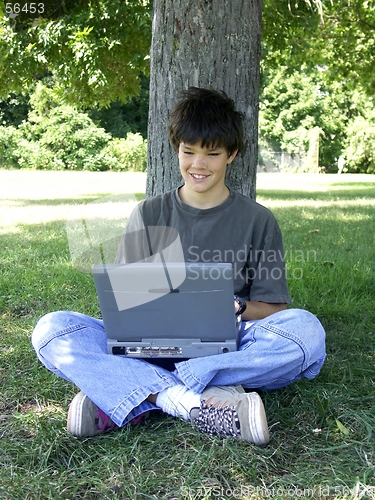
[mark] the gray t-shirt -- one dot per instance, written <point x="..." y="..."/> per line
<point x="238" y="231"/>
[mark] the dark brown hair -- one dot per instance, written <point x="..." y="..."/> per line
<point x="209" y="117"/>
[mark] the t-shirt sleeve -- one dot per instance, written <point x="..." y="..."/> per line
<point x="147" y="238"/>
<point x="133" y="244"/>
<point x="268" y="276"/>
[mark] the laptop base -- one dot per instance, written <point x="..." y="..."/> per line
<point x="162" y="348"/>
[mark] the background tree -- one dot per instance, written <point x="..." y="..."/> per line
<point x="94" y="49"/>
<point x="336" y="35"/>
<point x="346" y="42"/>
<point x="292" y="105"/>
<point x="206" y="44"/>
<point x="57" y="136"/>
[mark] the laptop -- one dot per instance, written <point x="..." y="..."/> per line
<point x="174" y="310"/>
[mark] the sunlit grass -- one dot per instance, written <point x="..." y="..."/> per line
<point x="28" y="197"/>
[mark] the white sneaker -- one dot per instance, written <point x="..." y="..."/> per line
<point x="227" y="412"/>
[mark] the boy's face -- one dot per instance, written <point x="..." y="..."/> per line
<point x="203" y="168"/>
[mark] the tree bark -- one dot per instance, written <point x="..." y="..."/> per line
<point x="212" y="44"/>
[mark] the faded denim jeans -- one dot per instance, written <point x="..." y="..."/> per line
<point x="273" y="353"/>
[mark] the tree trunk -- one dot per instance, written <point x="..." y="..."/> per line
<point x="206" y="43"/>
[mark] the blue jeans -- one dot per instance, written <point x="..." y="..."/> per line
<point x="274" y="352"/>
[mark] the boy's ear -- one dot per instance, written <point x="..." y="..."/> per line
<point x="232" y="157"/>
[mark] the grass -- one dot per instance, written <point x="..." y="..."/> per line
<point x="322" y="443"/>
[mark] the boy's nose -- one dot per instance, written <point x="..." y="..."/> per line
<point x="198" y="161"/>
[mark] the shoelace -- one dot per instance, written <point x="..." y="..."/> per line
<point x="218" y="420"/>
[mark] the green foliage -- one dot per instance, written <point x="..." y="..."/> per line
<point x="34" y="155"/>
<point x="131" y="152"/>
<point x="287" y="28"/>
<point x="119" y="118"/>
<point x="335" y="35"/>
<point x="95" y="49"/>
<point x="14" y="109"/>
<point x="292" y="105"/>
<point x="61" y="138"/>
<point x="9" y="137"/>
<point x="347" y="42"/>
<point x="57" y="136"/>
<point x="359" y="152"/>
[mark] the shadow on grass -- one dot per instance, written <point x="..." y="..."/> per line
<point x="84" y="200"/>
<point x="38" y="275"/>
<point x="346" y="192"/>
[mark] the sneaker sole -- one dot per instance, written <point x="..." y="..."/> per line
<point x="74" y="423"/>
<point x="257" y="421"/>
<point x="78" y="426"/>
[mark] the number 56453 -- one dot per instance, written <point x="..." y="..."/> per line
<point x="28" y="8"/>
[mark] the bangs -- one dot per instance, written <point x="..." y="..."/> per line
<point x="207" y="135"/>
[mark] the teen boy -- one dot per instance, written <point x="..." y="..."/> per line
<point x="278" y="345"/>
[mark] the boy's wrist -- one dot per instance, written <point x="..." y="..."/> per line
<point x="241" y="305"/>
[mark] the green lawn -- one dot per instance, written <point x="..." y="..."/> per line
<point x="323" y="443"/>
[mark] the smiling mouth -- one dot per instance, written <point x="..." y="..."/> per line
<point x="199" y="176"/>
